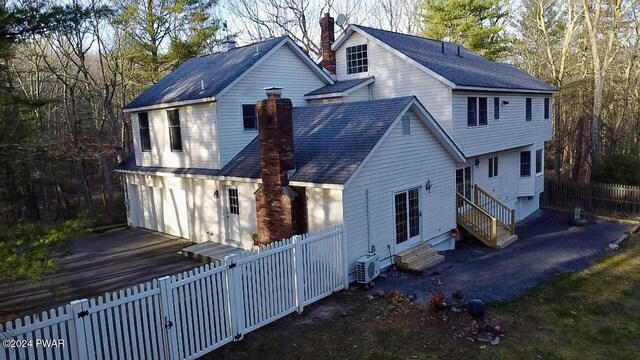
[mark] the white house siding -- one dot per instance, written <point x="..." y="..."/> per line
<point x="282" y="69"/>
<point x="400" y="163"/>
<point x="331" y="100"/>
<point x="508" y="132"/>
<point x="509" y="187"/>
<point x="199" y="134"/>
<point x="396" y="77"/>
<point x="167" y="203"/>
<point x="324" y="207"/>
<point x="505" y="185"/>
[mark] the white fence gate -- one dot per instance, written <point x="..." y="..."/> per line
<point x="191" y="314"/>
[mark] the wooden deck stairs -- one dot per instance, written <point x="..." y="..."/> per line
<point x="487" y="218"/>
<point x="417" y="258"/>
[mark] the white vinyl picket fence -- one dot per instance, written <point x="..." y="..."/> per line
<point x="190" y="314"/>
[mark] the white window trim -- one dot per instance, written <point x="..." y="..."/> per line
<point x="477" y="125"/>
<point x="494" y="167"/>
<point x="346" y="60"/>
<point x="541" y="163"/>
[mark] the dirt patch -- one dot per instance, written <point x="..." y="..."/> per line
<point x="351" y="326"/>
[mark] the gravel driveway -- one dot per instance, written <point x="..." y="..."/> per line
<point x="546" y="246"/>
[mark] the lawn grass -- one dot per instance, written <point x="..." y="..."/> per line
<point x="593" y="314"/>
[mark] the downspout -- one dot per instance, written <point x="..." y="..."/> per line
<point x="366" y="193"/>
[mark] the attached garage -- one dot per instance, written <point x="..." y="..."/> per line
<point x="159" y="209"/>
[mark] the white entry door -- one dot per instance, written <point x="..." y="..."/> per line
<point x="233" y="215"/>
<point x="407" y="218"/>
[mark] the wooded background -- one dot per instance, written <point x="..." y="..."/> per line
<point x="68" y="68"/>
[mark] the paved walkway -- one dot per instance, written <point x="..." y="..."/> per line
<point x="546" y="246"/>
<point x="97" y="264"/>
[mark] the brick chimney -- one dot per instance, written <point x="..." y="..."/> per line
<point x="281" y="209"/>
<point x="327" y="37"/>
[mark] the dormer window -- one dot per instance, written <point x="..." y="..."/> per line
<point x="357" y="59"/>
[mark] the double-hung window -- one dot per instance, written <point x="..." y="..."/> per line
<point x="175" y="138"/>
<point x="528" y="110"/>
<point x="496" y="108"/>
<point x="482" y="111"/>
<point x="249" y="117"/>
<point x="493" y="167"/>
<point x="472" y="111"/>
<point x="476" y="111"/>
<point x="538" y="161"/>
<point x="525" y="163"/>
<point x="547" y="108"/>
<point x="145" y="135"/>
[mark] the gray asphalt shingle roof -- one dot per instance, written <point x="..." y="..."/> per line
<point x="330" y="141"/>
<point x="215" y="72"/>
<point x="468" y="69"/>
<point x="338" y="86"/>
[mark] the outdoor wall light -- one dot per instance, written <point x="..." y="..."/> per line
<point x="505" y="102"/>
<point x="477" y="162"/>
<point x="216" y="194"/>
<point x="427" y="186"/>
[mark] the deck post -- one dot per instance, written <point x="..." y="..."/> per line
<point x="494" y="231"/>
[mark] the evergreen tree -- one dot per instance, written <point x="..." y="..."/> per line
<point x="164" y="34"/>
<point x="476" y="24"/>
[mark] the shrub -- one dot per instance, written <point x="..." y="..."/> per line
<point x="27" y="249"/>
<point x="618" y="169"/>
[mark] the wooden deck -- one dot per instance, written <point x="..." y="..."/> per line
<point x="210" y="251"/>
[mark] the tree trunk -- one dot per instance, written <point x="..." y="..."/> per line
<point x="84" y="187"/>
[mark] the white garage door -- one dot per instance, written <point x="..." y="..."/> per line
<point x="148" y="219"/>
<point x="173" y="212"/>
<point x="159" y="209"/>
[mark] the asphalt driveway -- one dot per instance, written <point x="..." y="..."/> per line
<point x="95" y="265"/>
<point x="547" y="245"/>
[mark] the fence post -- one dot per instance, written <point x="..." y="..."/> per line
<point x="166" y="300"/>
<point x="80" y="309"/>
<point x="298" y="266"/>
<point x="345" y="260"/>
<point x="236" y="298"/>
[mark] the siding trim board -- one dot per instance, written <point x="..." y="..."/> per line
<point x="506" y="90"/>
<point x="341" y="93"/>
<point x="224" y="178"/>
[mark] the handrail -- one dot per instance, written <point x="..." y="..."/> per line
<point x="478" y="221"/>
<point x="505" y="215"/>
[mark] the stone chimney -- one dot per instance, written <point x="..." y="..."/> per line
<point x="327" y="37"/>
<point x="280" y="208"/>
